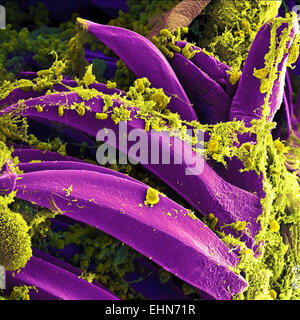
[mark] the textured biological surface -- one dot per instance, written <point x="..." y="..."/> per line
<point x="72" y="228"/>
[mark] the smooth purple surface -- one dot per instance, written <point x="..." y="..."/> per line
<point x="7" y="183"/>
<point x="113" y="207"/>
<point x="132" y="48"/>
<point x="206" y="192"/>
<point x="248" y="100"/>
<point x="27" y="155"/>
<point x="209" y="99"/>
<point x="249" y="181"/>
<point x="215" y="69"/>
<point x="70" y="165"/>
<point x="55" y="283"/>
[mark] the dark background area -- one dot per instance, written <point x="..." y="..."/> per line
<point x="62" y="10"/>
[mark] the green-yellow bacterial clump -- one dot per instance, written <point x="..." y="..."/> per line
<point x="15" y="241"/>
<point x="152" y="197"/>
<point x="227" y="28"/>
<point x="166" y="40"/>
<point x="17" y="229"/>
<point x="21" y="292"/>
<point x="234" y="76"/>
